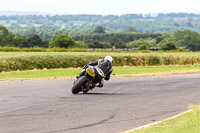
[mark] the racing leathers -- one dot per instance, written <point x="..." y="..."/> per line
<point x="103" y="69"/>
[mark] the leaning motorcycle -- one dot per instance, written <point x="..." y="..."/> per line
<point x="86" y="82"/>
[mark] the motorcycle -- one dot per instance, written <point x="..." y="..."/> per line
<point x="87" y="81"/>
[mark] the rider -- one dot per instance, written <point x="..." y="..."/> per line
<point x="104" y="68"/>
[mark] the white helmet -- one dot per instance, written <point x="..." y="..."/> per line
<point x="109" y="58"/>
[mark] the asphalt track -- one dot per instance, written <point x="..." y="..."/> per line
<point x="39" y="106"/>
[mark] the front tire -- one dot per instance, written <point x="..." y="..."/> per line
<point x="77" y="86"/>
<point x="85" y="91"/>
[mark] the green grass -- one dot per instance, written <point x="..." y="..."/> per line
<point x="32" y="74"/>
<point x="186" y="123"/>
<point x="152" y="69"/>
<point x="13" y="61"/>
<point x="117" y="71"/>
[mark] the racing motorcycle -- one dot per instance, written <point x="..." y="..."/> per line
<point x="87" y="81"/>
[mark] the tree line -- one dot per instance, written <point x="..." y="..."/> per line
<point x="142" y="23"/>
<point x="101" y="37"/>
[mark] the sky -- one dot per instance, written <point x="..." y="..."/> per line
<point x="102" y="7"/>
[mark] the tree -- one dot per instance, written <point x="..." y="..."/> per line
<point x="187" y="38"/>
<point x="19" y="41"/>
<point x="95" y="44"/>
<point x="119" y="44"/>
<point x="45" y="43"/>
<point x="106" y="45"/>
<point x="168" y="46"/>
<point x="143" y="47"/>
<point x="80" y="44"/>
<point x="3" y="30"/>
<point x="150" y="42"/>
<point x="4" y="36"/>
<point x="131" y="29"/>
<point x="99" y="29"/>
<point x="90" y="43"/>
<point x="34" y="40"/>
<point x="192" y="42"/>
<point x="62" y="41"/>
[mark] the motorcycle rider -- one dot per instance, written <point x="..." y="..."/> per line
<point x="103" y="69"/>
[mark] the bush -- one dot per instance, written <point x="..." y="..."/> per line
<point x="143" y="47"/>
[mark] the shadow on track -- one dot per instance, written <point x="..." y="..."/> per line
<point x="105" y="93"/>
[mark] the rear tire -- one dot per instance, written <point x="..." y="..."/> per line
<point x="77" y="86"/>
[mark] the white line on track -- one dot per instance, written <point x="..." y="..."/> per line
<point x="155" y="122"/>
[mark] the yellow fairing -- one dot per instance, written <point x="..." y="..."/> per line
<point x="91" y="72"/>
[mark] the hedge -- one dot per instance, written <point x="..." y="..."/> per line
<point x="13" y="61"/>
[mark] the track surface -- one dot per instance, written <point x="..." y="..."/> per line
<point x="124" y="103"/>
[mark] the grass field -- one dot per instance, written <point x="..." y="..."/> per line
<point x="117" y="72"/>
<point x="185" y="123"/>
<point x="13" y="61"/>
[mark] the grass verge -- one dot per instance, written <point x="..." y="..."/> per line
<point x="186" y="123"/>
<point x="117" y="72"/>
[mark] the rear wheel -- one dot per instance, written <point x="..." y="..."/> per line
<point x="77" y="86"/>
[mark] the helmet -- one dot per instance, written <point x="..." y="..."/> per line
<point x="109" y="58"/>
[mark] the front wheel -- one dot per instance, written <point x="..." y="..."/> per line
<point x="85" y="91"/>
<point x="77" y="86"/>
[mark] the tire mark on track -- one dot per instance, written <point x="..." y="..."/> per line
<point x="85" y="126"/>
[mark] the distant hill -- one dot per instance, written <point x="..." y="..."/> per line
<point x="140" y="22"/>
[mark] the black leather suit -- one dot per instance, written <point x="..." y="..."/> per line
<point x="104" y="65"/>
